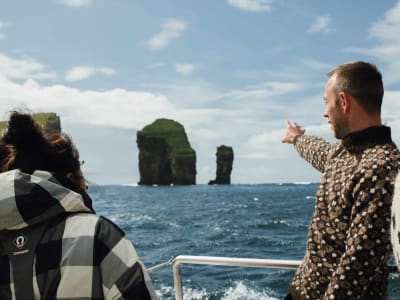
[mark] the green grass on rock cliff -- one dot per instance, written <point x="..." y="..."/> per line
<point x="173" y="133"/>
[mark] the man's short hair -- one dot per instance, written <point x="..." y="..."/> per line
<point x="363" y="81"/>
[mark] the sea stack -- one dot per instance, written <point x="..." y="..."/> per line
<point x="224" y="165"/>
<point x="165" y="154"/>
<point x="49" y="121"/>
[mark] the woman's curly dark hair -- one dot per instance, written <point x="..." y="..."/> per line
<point x="24" y="145"/>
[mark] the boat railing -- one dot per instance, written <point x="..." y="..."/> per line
<point x="228" y="261"/>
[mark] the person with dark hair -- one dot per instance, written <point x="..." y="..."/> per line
<point x="52" y="244"/>
<point x="348" y="241"/>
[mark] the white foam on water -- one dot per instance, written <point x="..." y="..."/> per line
<point x="134" y="184"/>
<point x="302" y="182"/>
<point x="237" y="292"/>
<point x="131" y="217"/>
<point x="242" y="292"/>
<point x="189" y="294"/>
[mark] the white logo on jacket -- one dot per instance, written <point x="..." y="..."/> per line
<point x="20" y="241"/>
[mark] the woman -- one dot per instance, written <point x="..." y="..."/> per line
<point x="52" y="245"/>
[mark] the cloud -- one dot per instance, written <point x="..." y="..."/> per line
<point x="385" y="32"/>
<point x="170" y="29"/>
<point x="266" y="89"/>
<point x="254" y="130"/>
<point x="107" y="71"/>
<point x="84" y="72"/>
<point x="115" y="108"/>
<point x="390" y="115"/>
<point x="252" y="5"/>
<point x="77" y="3"/>
<point x="185" y="69"/>
<point x="388" y="29"/>
<point x="321" y="24"/>
<point x="23" y="68"/>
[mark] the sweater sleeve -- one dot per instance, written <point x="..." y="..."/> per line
<point x="313" y="149"/>
<point x="123" y="275"/>
<point x="367" y="247"/>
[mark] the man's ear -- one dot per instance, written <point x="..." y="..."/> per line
<point x="344" y="102"/>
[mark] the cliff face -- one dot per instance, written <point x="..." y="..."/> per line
<point x="165" y="155"/>
<point x="224" y="165"/>
<point x="50" y="121"/>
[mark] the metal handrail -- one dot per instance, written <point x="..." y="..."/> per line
<point x="228" y="261"/>
<point x="225" y="261"/>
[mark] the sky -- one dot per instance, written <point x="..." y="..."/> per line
<point x="230" y="71"/>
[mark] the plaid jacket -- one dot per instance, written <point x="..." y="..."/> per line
<point x="53" y="246"/>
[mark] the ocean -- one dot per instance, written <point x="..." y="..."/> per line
<point x="249" y="221"/>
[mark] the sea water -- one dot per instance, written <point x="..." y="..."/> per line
<point x="249" y="221"/>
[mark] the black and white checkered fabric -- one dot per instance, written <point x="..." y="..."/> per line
<point x="79" y="255"/>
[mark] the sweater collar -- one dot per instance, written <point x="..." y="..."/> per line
<point x="371" y="136"/>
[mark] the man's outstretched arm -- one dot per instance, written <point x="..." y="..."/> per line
<point x="313" y="149"/>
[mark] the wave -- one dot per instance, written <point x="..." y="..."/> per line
<point x="237" y="292"/>
<point x="241" y="291"/>
<point x="302" y="182"/>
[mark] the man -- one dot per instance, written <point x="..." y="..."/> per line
<point x="349" y="237"/>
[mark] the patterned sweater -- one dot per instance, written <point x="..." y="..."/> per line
<point x="52" y="245"/>
<point x="349" y="237"/>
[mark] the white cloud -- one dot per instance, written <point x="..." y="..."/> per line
<point x="254" y="131"/>
<point x="252" y="5"/>
<point x="84" y="72"/>
<point x="266" y="89"/>
<point x="388" y="29"/>
<point x="321" y="24"/>
<point x="79" y="73"/>
<point x="133" y="109"/>
<point x="185" y="69"/>
<point x="170" y="29"/>
<point x="23" y="68"/>
<point x="107" y="71"/>
<point x="390" y="113"/>
<point x="387" y="47"/>
<point x="77" y="3"/>
<point x="267" y="145"/>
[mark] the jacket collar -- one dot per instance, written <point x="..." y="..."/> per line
<point x="29" y="198"/>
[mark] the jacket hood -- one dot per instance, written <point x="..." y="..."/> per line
<point x="28" y="198"/>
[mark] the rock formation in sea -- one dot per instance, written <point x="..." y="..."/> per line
<point x="224" y="165"/>
<point x="165" y="154"/>
<point x="49" y="121"/>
